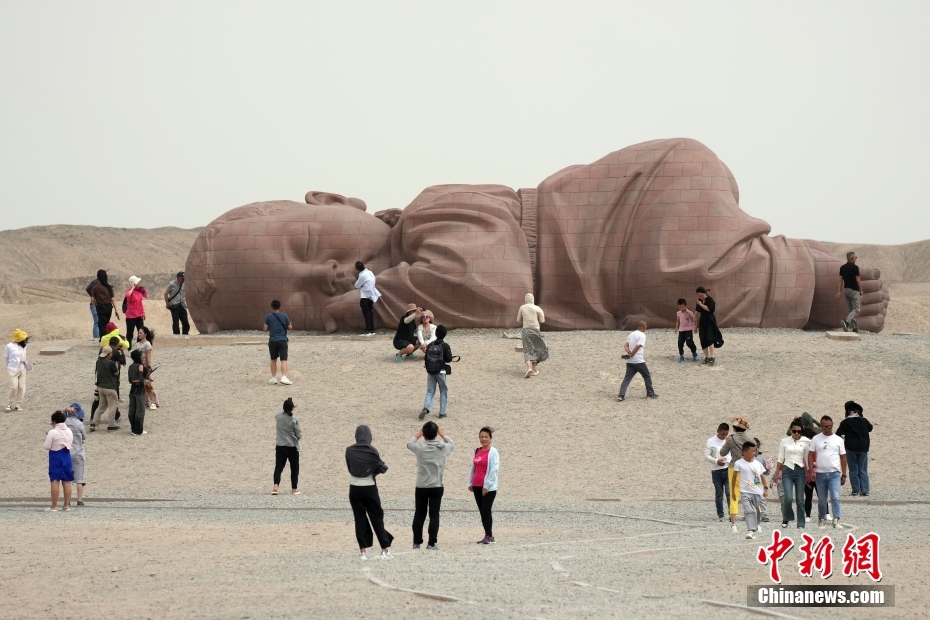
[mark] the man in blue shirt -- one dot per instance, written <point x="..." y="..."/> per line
<point x="276" y="324"/>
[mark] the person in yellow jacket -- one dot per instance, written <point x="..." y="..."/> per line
<point x="113" y="331"/>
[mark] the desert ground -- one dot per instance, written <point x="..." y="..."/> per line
<point x="605" y="509"/>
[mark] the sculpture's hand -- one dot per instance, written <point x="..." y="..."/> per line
<point x="873" y="301"/>
<point x="827" y="312"/>
<point x="343" y="312"/>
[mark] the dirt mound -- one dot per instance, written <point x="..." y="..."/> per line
<point x="46" y="264"/>
<point x="909" y="262"/>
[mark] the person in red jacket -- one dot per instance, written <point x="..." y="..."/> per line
<point x="135" y="310"/>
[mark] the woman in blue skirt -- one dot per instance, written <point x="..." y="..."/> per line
<point x="58" y="443"/>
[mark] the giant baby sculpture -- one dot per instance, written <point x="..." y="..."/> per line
<point x="601" y="246"/>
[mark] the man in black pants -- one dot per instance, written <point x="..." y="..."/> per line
<point x="176" y="302"/>
<point x="431" y="461"/>
<point x="365" y="283"/>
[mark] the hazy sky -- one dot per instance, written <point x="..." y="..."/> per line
<point x="170" y="113"/>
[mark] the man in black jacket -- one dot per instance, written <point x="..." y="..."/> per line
<point x="855" y="431"/>
<point x="438" y="356"/>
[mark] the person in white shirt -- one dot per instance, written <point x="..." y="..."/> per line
<point x="790" y="467"/>
<point x="718" y="466"/>
<point x="426" y="330"/>
<point x="635" y="362"/>
<point x="14" y="358"/>
<point x="831" y="460"/>
<point x="752" y="487"/>
<point x="365" y="283"/>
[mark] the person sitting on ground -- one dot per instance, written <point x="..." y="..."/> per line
<point x="535" y="350"/>
<point x="144" y="344"/>
<point x="854" y="430"/>
<point x="112" y="330"/>
<point x="405" y="338"/>
<point x="438" y="356"/>
<point x="733" y="447"/>
<point x="135" y="309"/>
<point x="753" y="487"/>
<point x="75" y="422"/>
<point x="60" y="471"/>
<point x="426" y="330"/>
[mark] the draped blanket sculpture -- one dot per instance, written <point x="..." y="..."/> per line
<point x="601" y="246"/>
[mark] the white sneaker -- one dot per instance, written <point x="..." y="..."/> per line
<point x="362" y="556"/>
<point x="836" y="523"/>
<point x="273" y="381"/>
<point x="733" y="529"/>
<point x="759" y="528"/>
<point x="9" y="408"/>
<point x="286" y="381"/>
<point x="749" y="536"/>
<point x="153" y="406"/>
<point x="17" y="408"/>
<point x="829" y="518"/>
<point x="823" y="524"/>
<point x="387" y="555"/>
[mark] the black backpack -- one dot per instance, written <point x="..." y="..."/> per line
<point x="434" y="359"/>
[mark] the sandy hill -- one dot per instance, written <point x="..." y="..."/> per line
<point x="909" y="262"/>
<point x="44" y="264"/>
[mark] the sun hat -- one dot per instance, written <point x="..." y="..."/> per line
<point x="411" y="307"/>
<point x="428" y="313"/>
<point x="134" y="280"/>
<point x="19" y="335"/>
<point x="741" y="423"/>
<point x="105" y="351"/>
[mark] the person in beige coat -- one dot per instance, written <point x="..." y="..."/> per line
<point x="535" y="350"/>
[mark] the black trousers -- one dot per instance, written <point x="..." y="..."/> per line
<point x="132" y="325"/>
<point x="283" y="454"/>
<point x="808" y="498"/>
<point x="137" y="409"/>
<point x="104" y="312"/>
<point x="427" y="500"/>
<point x="179" y="315"/>
<point x="485" y="502"/>
<point x="366" y="505"/>
<point x="686" y="337"/>
<point x="369" y="314"/>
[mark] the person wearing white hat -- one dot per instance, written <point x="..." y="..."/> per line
<point x="14" y="357"/>
<point x="133" y="307"/>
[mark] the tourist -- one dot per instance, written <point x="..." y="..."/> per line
<point x="733" y="447"/>
<point x="789" y="471"/>
<point x="75" y="422"/>
<point x="135" y="309"/>
<point x="119" y="347"/>
<point x="766" y="467"/>
<point x="809" y="486"/>
<point x="405" y="338"/>
<point x="276" y="324"/>
<point x="707" y="324"/>
<point x="111" y="331"/>
<point x="93" y="308"/>
<point x="684" y="326"/>
<point x="137" y="394"/>
<point x="431" y="456"/>
<point x="855" y="431"/>
<point x="58" y="443"/>
<point x="364" y="464"/>
<point x="17" y="365"/>
<point x="426" y="331"/>
<point x="535" y="350"/>
<point x="144" y="344"/>
<point x="830" y="462"/>
<point x="850" y="289"/>
<point x="365" y="283"/>
<point x="102" y="293"/>
<point x="176" y="303"/>
<point x="719" y="465"/>
<point x="107" y="385"/>
<point x="482" y="481"/>
<point x="287" y="446"/>
<point x="438" y="356"/>
<point x="752" y="485"/>
<point x="635" y="347"/>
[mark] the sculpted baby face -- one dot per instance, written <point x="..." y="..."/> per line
<point x="301" y="254"/>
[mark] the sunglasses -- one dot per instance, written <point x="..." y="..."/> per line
<point x="795" y="431"/>
<point x="826" y="427"/>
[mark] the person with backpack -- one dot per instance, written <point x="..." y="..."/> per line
<point x="176" y="303"/>
<point x="438" y="356"/>
<point x="276" y="324"/>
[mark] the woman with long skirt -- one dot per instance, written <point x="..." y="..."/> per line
<point x="482" y="481"/>
<point x="364" y="464"/>
<point x="535" y="350"/>
<point x="710" y="335"/>
<point x="60" y="471"/>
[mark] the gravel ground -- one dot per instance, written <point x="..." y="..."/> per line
<point x="223" y="547"/>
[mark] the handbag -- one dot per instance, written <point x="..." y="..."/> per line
<point x="448" y="368"/>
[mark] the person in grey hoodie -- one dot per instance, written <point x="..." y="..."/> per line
<point x="734" y="447"/>
<point x="287" y="446"/>
<point x="364" y="463"/>
<point x="431" y="461"/>
<point x="75" y="421"/>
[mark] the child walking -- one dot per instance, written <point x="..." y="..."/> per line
<point x="684" y="325"/>
<point x="753" y="487"/>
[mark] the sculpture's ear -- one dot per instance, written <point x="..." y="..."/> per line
<point x="389" y="216"/>
<point x="326" y="198"/>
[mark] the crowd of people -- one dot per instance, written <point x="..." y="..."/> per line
<point x="814" y="457"/>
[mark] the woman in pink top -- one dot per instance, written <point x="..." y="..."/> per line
<point x="482" y="481"/>
<point x="135" y="310"/>
<point x="58" y="443"/>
